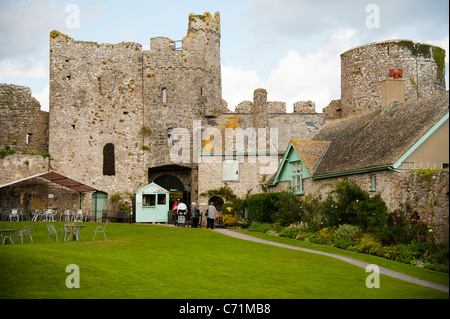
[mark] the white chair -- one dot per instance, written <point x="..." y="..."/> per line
<point x="14" y="215"/>
<point x="36" y="215"/>
<point x="100" y="229"/>
<point x="26" y="231"/>
<point x="87" y="216"/>
<point x="48" y="216"/>
<point x="67" y="215"/>
<point x="79" y="216"/>
<point x="53" y="231"/>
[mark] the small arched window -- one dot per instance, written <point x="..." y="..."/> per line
<point x="109" y="167"/>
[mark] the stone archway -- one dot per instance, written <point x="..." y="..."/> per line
<point x="218" y="202"/>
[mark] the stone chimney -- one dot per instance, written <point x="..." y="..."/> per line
<point x="393" y="90"/>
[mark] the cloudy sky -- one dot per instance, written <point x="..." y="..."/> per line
<point x="289" y="47"/>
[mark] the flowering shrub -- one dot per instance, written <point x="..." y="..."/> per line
<point x="345" y="235"/>
<point x="347" y="203"/>
<point x="367" y="243"/>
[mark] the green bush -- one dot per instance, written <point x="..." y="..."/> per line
<point x="262" y="206"/>
<point x="347" y="203"/>
<point x="288" y="209"/>
<point x="367" y="243"/>
<point x="345" y="235"/>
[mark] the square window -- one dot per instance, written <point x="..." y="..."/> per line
<point x="149" y="200"/>
<point x="230" y="170"/>
<point x="161" y="199"/>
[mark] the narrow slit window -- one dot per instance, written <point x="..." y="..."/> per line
<point x="109" y="166"/>
<point x="169" y="136"/>
<point x="373" y="183"/>
<point x="28" y="138"/>
<point x="164" y="95"/>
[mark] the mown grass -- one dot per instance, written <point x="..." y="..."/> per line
<point x="410" y="270"/>
<point x="150" y="261"/>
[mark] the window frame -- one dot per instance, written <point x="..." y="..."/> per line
<point x="297" y="177"/>
<point x="228" y="164"/>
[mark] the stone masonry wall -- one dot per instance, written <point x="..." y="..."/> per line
<point x="95" y="100"/>
<point x="23" y="126"/>
<point x="428" y="193"/>
<point x="364" y="67"/>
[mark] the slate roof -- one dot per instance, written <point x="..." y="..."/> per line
<point x="378" y="139"/>
<point x="310" y="152"/>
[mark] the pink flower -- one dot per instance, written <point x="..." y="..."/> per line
<point x="394" y="223"/>
<point x="398" y="216"/>
<point x="418" y="220"/>
<point x="412" y="219"/>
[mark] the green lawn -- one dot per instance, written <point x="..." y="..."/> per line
<point x="150" y="261"/>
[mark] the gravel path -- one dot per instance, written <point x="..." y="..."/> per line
<point x="358" y="263"/>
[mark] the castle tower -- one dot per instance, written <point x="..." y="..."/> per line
<point x="96" y="113"/>
<point x="182" y="84"/>
<point x="364" y="68"/>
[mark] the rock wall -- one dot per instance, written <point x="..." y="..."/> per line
<point x="23" y="126"/>
<point x="364" y="67"/>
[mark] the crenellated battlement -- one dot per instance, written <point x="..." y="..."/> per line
<point x="204" y="23"/>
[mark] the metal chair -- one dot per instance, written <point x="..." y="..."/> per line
<point x="69" y="230"/>
<point x="53" y="231"/>
<point x="36" y="215"/>
<point x="79" y="216"/>
<point x="100" y="229"/>
<point x="26" y="231"/>
<point x="67" y="215"/>
<point x="49" y="215"/>
<point x="14" y="215"/>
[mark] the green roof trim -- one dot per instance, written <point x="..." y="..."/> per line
<point x="359" y="171"/>
<point x="420" y="141"/>
<point x="275" y="181"/>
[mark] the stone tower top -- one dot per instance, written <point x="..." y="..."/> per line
<point x="204" y="22"/>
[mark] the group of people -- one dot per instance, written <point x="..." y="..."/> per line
<point x="211" y="213"/>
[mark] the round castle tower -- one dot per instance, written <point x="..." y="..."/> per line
<point x="364" y="67"/>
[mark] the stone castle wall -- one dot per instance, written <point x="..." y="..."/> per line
<point x="95" y="100"/>
<point x="23" y="126"/>
<point x="364" y="67"/>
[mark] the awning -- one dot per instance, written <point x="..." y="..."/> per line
<point x="58" y="179"/>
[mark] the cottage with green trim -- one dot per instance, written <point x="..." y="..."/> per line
<point x="152" y="204"/>
<point x="376" y="149"/>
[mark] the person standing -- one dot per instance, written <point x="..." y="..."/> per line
<point x="175" y="211"/>
<point x="211" y="214"/>
<point x="195" y="215"/>
<point x="182" y="210"/>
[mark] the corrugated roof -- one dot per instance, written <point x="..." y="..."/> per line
<point x="58" y="179"/>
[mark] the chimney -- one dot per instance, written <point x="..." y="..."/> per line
<point x="393" y="90"/>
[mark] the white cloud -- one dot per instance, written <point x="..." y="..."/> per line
<point x="238" y="85"/>
<point x="314" y="77"/>
<point x="29" y="68"/>
<point x="43" y="98"/>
